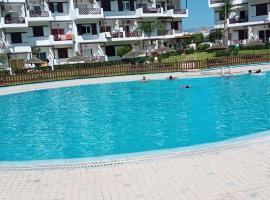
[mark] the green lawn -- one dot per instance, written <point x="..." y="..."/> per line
<point x="205" y="55"/>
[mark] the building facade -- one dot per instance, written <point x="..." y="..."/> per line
<point x="248" y="20"/>
<point x="53" y="30"/>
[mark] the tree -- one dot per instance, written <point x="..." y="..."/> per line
<point x="215" y="35"/>
<point x="147" y="28"/>
<point x="197" y="38"/>
<point x="225" y="9"/>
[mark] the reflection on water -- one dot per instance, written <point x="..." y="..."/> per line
<point x="118" y="118"/>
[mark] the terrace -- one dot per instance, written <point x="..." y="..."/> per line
<point x="14" y="14"/>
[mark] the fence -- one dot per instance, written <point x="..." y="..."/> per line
<point x="128" y="69"/>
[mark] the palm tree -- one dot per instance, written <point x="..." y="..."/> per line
<point x="225" y="10"/>
<point x="147" y="28"/>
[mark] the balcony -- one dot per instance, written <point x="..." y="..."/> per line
<point x="14" y="20"/>
<point x="89" y="11"/>
<point x="178" y="13"/>
<point x="133" y="34"/>
<point x="61" y="39"/>
<point x="235" y="20"/>
<point x="2" y="47"/>
<point x="86" y="13"/>
<point x="151" y="10"/>
<point x="117" y="35"/>
<point x="39" y="14"/>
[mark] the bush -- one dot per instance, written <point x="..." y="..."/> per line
<point x="254" y="47"/>
<point x="123" y="50"/>
<point x="189" y="51"/>
<point x="202" y="47"/>
<point x="4" y="73"/>
<point x="223" y="53"/>
<point x="226" y="53"/>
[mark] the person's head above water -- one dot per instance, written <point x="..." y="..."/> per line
<point x="186" y="86"/>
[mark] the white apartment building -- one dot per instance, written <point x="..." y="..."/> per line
<point x="54" y="30"/>
<point x="248" y="20"/>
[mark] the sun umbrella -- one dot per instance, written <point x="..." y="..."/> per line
<point x="162" y="50"/>
<point x="216" y="48"/>
<point x="134" y="53"/>
<point x="77" y="58"/>
<point x="34" y="60"/>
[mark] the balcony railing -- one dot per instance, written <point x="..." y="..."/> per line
<point x="63" y="37"/>
<point x="2" y="46"/>
<point x="133" y="34"/>
<point x="240" y="20"/>
<point x="117" y="35"/>
<point x="89" y="11"/>
<point x="162" y="32"/>
<point x="39" y="14"/>
<point x="216" y="1"/>
<point x="14" y="20"/>
<point x="179" y="11"/>
<point x="151" y="10"/>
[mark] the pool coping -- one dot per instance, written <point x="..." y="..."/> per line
<point x="119" y="159"/>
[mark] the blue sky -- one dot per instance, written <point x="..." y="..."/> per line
<point x="199" y="14"/>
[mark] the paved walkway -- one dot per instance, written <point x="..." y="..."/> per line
<point x="238" y="170"/>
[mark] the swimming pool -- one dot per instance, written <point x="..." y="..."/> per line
<point x="130" y="117"/>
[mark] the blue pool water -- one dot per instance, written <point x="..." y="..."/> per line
<point x="108" y="119"/>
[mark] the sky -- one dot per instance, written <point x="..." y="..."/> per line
<point x="200" y="15"/>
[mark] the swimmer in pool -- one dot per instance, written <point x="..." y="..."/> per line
<point x="171" y="78"/>
<point x="186" y="86"/>
<point x="144" y="79"/>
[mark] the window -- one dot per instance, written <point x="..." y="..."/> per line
<point x="242" y="34"/>
<point x="126" y="6"/>
<point x="63" y="53"/>
<point x="37" y="9"/>
<point x="38" y="31"/>
<point x="42" y="55"/>
<point x="87" y="52"/>
<point x="261" y="9"/>
<point x="110" y="50"/>
<point x="221" y="16"/>
<point x="56" y="7"/>
<point x="16" y="38"/>
<point x="86" y="29"/>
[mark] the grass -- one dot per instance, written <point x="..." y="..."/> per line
<point x="205" y="55"/>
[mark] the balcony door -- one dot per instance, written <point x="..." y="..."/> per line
<point x="110" y="50"/>
<point x="106" y="5"/>
<point x="62" y="53"/>
<point x="264" y="35"/>
<point x="16" y="38"/>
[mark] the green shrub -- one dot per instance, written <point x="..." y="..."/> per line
<point x="4" y="73"/>
<point x="223" y="53"/>
<point x="123" y="50"/>
<point x="253" y="47"/>
<point x="202" y="47"/>
<point x="189" y="51"/>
